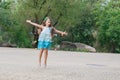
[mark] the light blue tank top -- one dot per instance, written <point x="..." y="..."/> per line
<point x="45" y="35"/>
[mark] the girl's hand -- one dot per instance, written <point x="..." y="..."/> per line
<point x="34" y="24"/>
<point x="64" y="34"/>
<point x="28" y="21"/>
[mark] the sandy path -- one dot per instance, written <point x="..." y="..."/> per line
<point x="22" y="64"/>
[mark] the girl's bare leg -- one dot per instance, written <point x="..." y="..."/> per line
<point x="45" y="56"/>
<point x="40" y="56"/>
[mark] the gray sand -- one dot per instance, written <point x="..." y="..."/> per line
<point x="22" y="64"/>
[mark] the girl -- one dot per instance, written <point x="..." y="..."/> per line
<point x="45" y="37"/>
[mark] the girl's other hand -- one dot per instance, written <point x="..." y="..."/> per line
<point x="28" y="21"/>
<point x="64" y="34"/>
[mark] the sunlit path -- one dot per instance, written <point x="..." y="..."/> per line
<point x="22" y="64"/>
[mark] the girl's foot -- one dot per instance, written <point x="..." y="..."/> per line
<point x="45" y="66"/>
<point x="40" y="64"/>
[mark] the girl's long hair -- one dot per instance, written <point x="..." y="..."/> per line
<point x="44" y="22"/>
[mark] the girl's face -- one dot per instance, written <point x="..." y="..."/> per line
<point x="48" y="22"/>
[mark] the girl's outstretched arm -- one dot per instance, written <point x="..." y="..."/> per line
<point x="34" y="24"/>
<point x="60" y="32"/>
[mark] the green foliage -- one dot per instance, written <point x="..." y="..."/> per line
<point x="5" y="5"/>
<point x="0" y="39"/>
<point x="93" y="22"/>
<point x="36" y="10"/>
<point x="21" y="38"/>
<point x="9" y="27"/>
<point x="109" y="28"/>
<point x="82" y="30"/>
<point x="5" y="20"/>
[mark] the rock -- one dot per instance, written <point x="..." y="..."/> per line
<point x="57" y="47"/>
<point x="13" y="45"/>
<point x="82" y="46"/>
<point x="34" y="44"/>
<point x="5" y="44"/>
<point x="68" y="45"/>
<point x="76" y="46"/>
